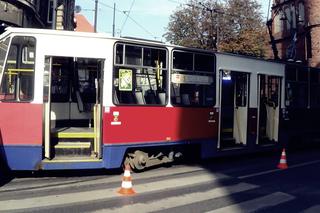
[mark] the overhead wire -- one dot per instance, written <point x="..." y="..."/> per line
<point x="173" y="1"/>
<point x="128" y="16"/>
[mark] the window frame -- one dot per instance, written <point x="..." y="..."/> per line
<point x="195" y="72"/>
<point x="17" y="96"/>
<point x="123" y="65"/>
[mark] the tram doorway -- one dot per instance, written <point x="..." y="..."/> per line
<point x="269" y="90"/>
<point x="72" y="99"/>
<point x="234" y="101"/>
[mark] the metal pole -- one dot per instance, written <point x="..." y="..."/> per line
<point x="217" y="39"/>
<point x="54" y="14"/>
<point x="114" y="19"/>
<point x="95" y="16"/>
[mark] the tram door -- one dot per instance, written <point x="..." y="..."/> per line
<point x="269" y="90"/>
<point x="234" y="101"/>
<point x="72" y="107"/>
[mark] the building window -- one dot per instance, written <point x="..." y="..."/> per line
<point x="308" y="45"/>
<point x="288" y="17"/>
<point x="301" y="17"/>
<point x="50" y="11"/>
<point x="37" y="3"/>
<point x="293" y="20"/>
<point x="278" y="23"/>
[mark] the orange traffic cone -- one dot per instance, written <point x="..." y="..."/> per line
<point x="126" y="185"/>
<point x="283" y="161"/>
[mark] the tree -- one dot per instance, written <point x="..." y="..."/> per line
<point x="234" y="26"/>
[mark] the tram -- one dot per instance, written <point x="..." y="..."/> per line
<point x="72" y="100"/>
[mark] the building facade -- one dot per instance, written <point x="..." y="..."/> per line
<point x="295" y="31"/>
<point x="51" y="14"/>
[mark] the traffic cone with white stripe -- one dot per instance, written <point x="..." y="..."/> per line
<point x="126" y="185"/>
<point x="283" y="160"/>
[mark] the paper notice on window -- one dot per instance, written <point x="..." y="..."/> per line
<point x="125" y="80"/>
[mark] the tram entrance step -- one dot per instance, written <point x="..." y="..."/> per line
<point x="227" y="142"/>
<point x="72" y="141"/>
<point x="73" y="132"/>
<point x="72" y="149"/>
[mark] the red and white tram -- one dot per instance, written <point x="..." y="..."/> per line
<point x="71" y="100"/>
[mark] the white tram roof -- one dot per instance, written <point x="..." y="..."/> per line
<point x="220" y="55"/>
<point x="35" y="31"/>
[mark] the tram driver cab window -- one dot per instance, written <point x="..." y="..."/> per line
<point x="18" y="79"/>
<point x="140" y="75"/>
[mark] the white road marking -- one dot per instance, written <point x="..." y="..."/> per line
<point x="86" y="196"/>
<point x="312" y="209"/>
<point x="278" y="170"/>
<point x="39" y="184"/>
<point x="257" y="203"/>
<point x="190" y="198"/>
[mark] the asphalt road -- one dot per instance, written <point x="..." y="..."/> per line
<point x="250" y="183"/>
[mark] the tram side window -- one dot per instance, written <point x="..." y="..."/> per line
<point x="18" y="79"/>
<point x="192" y="80"/>
<point x="133" y="55"/>
<point x="140" y="80"/>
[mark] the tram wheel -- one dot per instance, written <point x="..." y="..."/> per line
<point x="140" y="160"/>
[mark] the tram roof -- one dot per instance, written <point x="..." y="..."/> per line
<point x="34" y="31"/>
<point x="10" y="30"/>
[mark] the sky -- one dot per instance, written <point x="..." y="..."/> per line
<point x="147" y="19"/>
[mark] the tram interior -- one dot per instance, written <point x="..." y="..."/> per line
<point x="268" y="109"/>
<point x="74" y="98"/>
<point x="234" y="109"/>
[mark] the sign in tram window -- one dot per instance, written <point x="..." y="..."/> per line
<point x="125" y="80"/>
<point x="18" y="80"/>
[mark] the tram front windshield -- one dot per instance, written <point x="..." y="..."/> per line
<point x="3" y="51"/>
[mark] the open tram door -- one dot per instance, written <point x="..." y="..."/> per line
<point x="269" y="93"/>
<point x="234" y="103"/>
<point x="72" y="108"/>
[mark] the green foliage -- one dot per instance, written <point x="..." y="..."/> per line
<point x="234" y="26"/>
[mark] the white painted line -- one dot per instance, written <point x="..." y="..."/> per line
<point x="257" y="203"/>
<point x="186" y="199"/>
<point x="259" y="173"/>
<point x="44" y="183"/>
<point x="278" y="170"/>
<point x="312" y="209"/>
<point x="86" y="196"/>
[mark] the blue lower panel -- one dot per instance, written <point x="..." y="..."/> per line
<point x="71" y="165"/>
<point x="30" y="157"/>
<point x="21" y="157"/>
